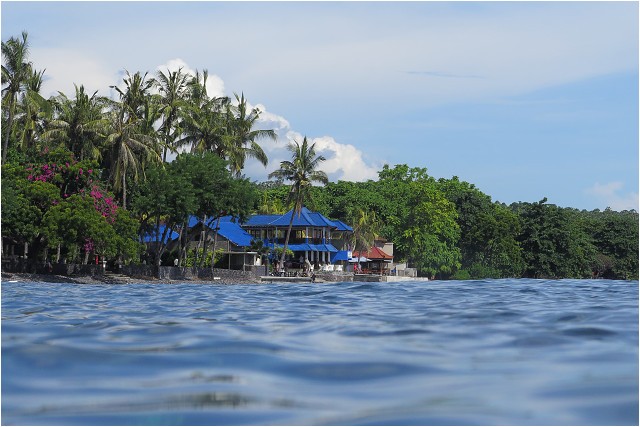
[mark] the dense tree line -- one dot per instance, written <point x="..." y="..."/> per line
<point x="87" y="177"/>
<point x="448" y="228"/>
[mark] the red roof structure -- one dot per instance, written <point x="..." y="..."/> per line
<point x="374" y="254"/>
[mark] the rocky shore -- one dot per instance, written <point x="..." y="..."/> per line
<point x="113" y="279"/>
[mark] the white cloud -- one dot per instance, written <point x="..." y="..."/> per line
<point x="64" y="67"/>
<point x="609" y="195"/>
<point x="344" y="161"/>
<point x="215" y="85"/>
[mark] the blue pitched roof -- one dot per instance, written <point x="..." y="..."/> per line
<point x="260" y="220"/>
<point x="298" y="247"/>
<point x="305" y="219"/>
<point x="232" y="231"/>
<point x="151" y="236"/>
<point x="341" y="226"/>
<point x="339" y="256"/>
<point x="229" y="228"/>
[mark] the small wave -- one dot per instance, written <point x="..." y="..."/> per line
<point x="588" y="332"/>
<point x="350" y="371"/>
<point x="375" y="333"/>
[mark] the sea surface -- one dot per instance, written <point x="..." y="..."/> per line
<point x="494" y="352"/>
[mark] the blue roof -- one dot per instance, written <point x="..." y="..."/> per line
<point x="326" y="248"/>
<point x="260" y="220"/>
<point x="341" y="226"/>
<point x="340" y="256"/>
<point x="299" y="247"/>
<point x="232" y="231"/>
<point x="306" y="218"/>
<point x="151" y="236"/>
<point x="229" y="229"/>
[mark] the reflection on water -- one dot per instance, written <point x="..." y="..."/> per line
<point x="522" y="352"/>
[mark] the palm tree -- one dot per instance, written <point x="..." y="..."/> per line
<point x="143" y="108"/>
<point x="36" y="111"/>
<point x="302" y="172"/>
<point x="15" y="71"/>
<point x="79" y="123"/>
<point x="365" y="229"/>
<point x="203" y="124"/>
<point x="173" y="89"/>
<point x="241" y="137"/>
<point x="135" y="95"/>
<point x="129" y="149"/>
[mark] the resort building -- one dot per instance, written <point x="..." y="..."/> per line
<point x="316" y="241"/>
<point x="231" y="239"/>
<point x="312" y="236"/>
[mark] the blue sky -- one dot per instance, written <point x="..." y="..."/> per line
<point x="523" y="99"/>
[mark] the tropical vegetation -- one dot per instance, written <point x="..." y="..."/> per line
<point x="88" y="179"/>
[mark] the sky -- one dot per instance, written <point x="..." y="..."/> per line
<point x="525" y="100"/>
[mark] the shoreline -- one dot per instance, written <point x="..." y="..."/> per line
<point x="112" y="280"/>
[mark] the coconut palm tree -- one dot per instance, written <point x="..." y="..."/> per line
<point x="79" y="123"/>
<point x="143" y="108"/>
<point x="136" y="93"/>
<point x="129" y="149"/>
<point x="203" y="122"/>
<point x="15" y="71"/>
<point x="241" y="136"/>
<point x="365" y="229"/>
<point x="172" y="88"/>
<point x="302" y="171"/>
<point x="35" y="111"/>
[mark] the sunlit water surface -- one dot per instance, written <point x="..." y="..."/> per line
<point x="462" y="353"/>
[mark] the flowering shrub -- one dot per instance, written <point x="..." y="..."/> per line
<point x="74" y="177"/>
<point x="104" y="203"/>
<point x="46" y="173"/>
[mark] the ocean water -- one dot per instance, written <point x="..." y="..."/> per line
<point x="494" y="352"/>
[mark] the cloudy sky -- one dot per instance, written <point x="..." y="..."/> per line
<point x="524" y="100"/>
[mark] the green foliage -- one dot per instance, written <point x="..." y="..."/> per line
<point x="615" y="235"/>
<point x="195" y="255"/>
<point x="20" y="217"/>
<point x="553" y="242"/>
<point x="431" y="232"/>
<point x="278" y="252"/>
<point x="126" y="242"/>
<point x="488" y="232"/>
<point x="78" y="227"/>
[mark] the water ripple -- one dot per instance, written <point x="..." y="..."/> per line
<point x="446" y="353"/>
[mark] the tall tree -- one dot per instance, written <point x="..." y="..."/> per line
<point x="167" y="198"/>
<point x="241" y="136"/>
<point x="172" y="88"/>
<point x="35" y="111"/>
<point x="302" y="171"/>
<point x="136" y="93"/>
<point x="366" y="227"/>
<point x="430" y="231"/>
<point x="129" y="149"/>
<point x="203" y="119"/>
<point x="15" y="72"/>
<point x="79" y="123"/>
